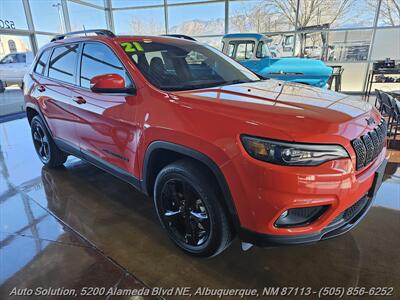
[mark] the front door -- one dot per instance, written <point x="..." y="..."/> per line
<point x="262" y="59"/>
<point x="107" y="127"/>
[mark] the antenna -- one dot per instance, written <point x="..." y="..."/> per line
<point x="84" y="29"/>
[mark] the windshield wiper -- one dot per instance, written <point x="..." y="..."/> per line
<point x="178" y="87"/>
<point x="190" y="86"/>
<point x="184" y="87"/>
<point x="236" y="81"/>
<point x="263" y="77"/>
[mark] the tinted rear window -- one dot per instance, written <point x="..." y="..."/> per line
<point x="62" y="63"/>
<point x="41" y="64"/>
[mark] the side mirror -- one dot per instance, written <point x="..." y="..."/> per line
<point x="109" y="83"/>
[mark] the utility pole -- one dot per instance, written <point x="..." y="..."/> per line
<point x="59" y="9"/>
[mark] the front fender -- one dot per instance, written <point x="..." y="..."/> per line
<point x="198" y="156"/>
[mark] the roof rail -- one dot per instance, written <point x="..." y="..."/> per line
<point x="103" y="32"/>
<point x="180" y="36"/>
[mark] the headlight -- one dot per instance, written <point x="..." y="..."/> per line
<point x="291" y="154"/>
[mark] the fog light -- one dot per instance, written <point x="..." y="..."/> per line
<point x="296" y="217"/>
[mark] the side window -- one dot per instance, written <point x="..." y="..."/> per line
<point x="41" y="64"/>
<point x="201" y="67"/>
<point x="99" y="59"/>
<point x="62" y="63"/>
<point x="262" y="50"/>
<point x="244" y="50"/>
<point x="135" y="58"/>
<point x="158" y="60"/>
<point x="231" y="47"/>
<point x="289" y="40"/>
<point x="150" y="55"/>
<point x="195" y="58"/>
<point x="21" y="58"/>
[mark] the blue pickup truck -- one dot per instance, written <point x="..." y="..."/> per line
<point x="251" y="50"/>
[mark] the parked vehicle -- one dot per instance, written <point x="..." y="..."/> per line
<point x="221" y="151"/>
<point x="251" y="50"/>
<point x="13" y="67"/>
<point x="284" y="46"/>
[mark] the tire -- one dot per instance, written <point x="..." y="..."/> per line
<point x="189" y="209"/>
<point x="48" y="152"/>
<point x="2" y="87"/>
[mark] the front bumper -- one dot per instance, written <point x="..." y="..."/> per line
<point x="343" y="222"/>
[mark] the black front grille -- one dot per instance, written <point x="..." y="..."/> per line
<point x="375" y="140"/>
<point x="369" y="146"/>
<point x="361" y="152"/>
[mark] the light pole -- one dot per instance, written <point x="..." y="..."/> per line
<point x="59" y="9"/>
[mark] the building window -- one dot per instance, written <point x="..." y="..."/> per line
<point x="12" y="46"/>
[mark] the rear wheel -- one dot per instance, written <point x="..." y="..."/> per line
<point x="46" y="149"/>
<point x="189" y="209"/>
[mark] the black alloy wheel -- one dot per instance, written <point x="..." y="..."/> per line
<point x="41" y="142"/>
<point x="48" y="152"/>
<point x="184" y="212"/>
<point x="189" y="207"/>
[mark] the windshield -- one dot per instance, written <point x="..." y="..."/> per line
<point x="11" y="58"/>
<point x="176" y="66"/>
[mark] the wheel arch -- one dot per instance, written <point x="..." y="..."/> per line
<point x="161" y="153"/>
<point x="31" y="112"/>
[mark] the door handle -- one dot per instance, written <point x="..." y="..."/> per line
<point x="41" y="88"/>
<point x="79" y="100"/>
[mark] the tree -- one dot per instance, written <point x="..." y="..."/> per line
<point x="280" y="15"/>
<point x="311" y="13"/>
<point x="389" y="13"/>
<point x="256" y="17"/>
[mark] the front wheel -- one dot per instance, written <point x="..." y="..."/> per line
<point x="48" y="152"/>
<point x="189" y="209"/>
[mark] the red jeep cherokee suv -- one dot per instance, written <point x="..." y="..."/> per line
<point x="221" y="150"/>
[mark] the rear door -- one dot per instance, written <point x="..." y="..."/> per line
<point x="53" y="91"/>
<point x="107" y="126"/>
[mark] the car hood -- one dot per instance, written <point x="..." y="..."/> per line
<point x="299" y="65"/>
<point x="298" y="110"/>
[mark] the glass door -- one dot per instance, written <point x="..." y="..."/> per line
<point x="16" y="56"/>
